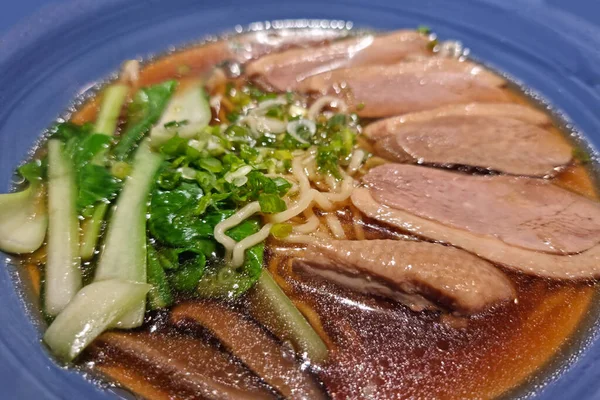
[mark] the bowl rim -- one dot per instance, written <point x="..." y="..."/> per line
<point x="42" y="375"/>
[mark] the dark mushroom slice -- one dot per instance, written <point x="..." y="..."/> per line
<point x="174" y="366"/>
<point x="274" y="362"/>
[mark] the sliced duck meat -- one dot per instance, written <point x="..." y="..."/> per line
<point x="525" y="224"/>
<point x="419" y="274"/>
<point x="388" y="90"/>
<point x="253" y="45"/>
<point x="175" y="366"/>
<point x="490" y="142"/>
<point x="239" y="49"/>
<point x="282" y="71"/>
<point x="524" y="212"/>
<point x="526" y="114"/>
<point x="246" y="340"/>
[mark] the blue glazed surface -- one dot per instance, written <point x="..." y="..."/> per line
<point x="63" y="47"/>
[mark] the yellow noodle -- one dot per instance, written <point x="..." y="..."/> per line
<point x="307" y="195"/>
<point x="355" y="161"/>
<point x="311" y="224"/>
<point x="335" y="226"/>
<point x="332" y="182"/>
<point x="311" y="169"/>
<point x="301" y="204"/>
<point x="322" y="200"/>
<point x="300" y="175"/>
<point x="357" y="223"/>
<point x="309" y="158"/>
<point x="301" y="239"/>
<point x="321" y="185"/>
<point x="346" y="191"/>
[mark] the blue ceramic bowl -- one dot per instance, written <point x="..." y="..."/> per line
<point x="64" y="47"/>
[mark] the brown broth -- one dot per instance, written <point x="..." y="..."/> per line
<point x="412" y="355"/>
<point x="382" y="349"/>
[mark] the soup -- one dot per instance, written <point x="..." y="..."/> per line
<point x="309" y="214"/>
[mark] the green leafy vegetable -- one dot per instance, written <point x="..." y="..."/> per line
<point x="169" y="179"/>
<point x="211" y="164"/>
<point x="175" y="146"/>
<point x="228" y="282"/>
<point x="173" y="220"/>
<point x="282" y="230"/>
<point x="179" y="269"/>
<point x="337" y="122"/>
<point x="282" y="185"/>
<point x="173" y="257"/>
<point x="34" y="171"/>
<point x="87" y="146"/>
<point x="339" y="148"/>
<point x="248" y="153"/>
<point x="94" y="182"/>
<point x="144" y="111"/>
<point x="327" y="161"/>
<point x="258" y="184"/>
<point x="220" y="170"/>
<point x="187" y="276"/>
<point x="65" y="131"/>
<point x="160" y="295"/>
<point x="276" y="112"/>
<point x="271" y="203"/>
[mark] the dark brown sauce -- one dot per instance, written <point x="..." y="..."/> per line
<point x="380" y="349"/>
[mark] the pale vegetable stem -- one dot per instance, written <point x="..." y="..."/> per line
<point x="63" y="274"/>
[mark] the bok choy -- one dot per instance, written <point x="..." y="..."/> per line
<point x="112" y="102"/>
<point x="124" y="254"/>
<point x="270" y="306"/>
<point x="23" y="215"/>
<point x="144" y="111"/>
<point x="63" y="275"/>
<point x="95" y="308"/>
<point x="187" y="114"/>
